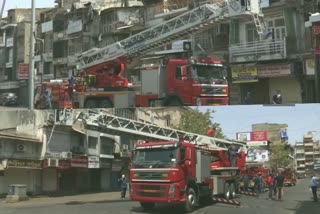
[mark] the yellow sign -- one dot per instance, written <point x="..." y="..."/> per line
<point x="244" y="74"/>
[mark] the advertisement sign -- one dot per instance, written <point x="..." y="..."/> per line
<point x="257" y="154"/>
<point x="23" y="71"/>
<point x="259" y="136"/>
<point x="244" y="74"/>
<point x="93" y="162"/>
<point x="274" y="70"/>
<point x="244" y="136"/>
<point x="25" y="164"/>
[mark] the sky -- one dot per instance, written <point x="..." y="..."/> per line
<point x="300" y="118"/>
<point x="11" y="4"/>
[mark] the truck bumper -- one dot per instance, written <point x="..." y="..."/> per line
<point x="156" y="193"/>
<point x="211" y="101"/>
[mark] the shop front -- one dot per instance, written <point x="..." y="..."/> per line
<point x="279" y="77"/>
<point x="21" y="171"/>
<point x="309" y="80"/>
<point x="256" y="84"/>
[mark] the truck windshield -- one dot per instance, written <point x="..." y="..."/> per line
<point x="155" y="158"/>
<point x="209" y="74"/>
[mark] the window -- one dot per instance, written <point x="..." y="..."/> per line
<point x="106" y="146"/>
<point x="178" y="73"/>
<point x="252" y="34"/>
<point x="182" y="154"/>
<point x="92" y="142"/>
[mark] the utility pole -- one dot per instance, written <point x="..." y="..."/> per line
<point x="31" y="57"/>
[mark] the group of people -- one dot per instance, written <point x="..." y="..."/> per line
<point x="275" y="184"/>
<point x="276" y="98"/>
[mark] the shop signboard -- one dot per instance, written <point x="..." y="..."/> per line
<point x="244" y="74"/>
<point x="79" y="162"/>
<point x="274" y="71"/>
<point x="24" y="164"/>
<point x="93" y="162"/>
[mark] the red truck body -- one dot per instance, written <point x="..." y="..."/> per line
<point x="180" y="173"/>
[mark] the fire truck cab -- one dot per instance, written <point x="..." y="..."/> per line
<point x="174" y="78"/>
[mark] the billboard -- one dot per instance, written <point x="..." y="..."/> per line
<point x="257" y="142"/>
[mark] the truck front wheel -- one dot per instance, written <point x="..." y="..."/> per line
<point x="190" y="204"/>
<point x="147" y="205"/>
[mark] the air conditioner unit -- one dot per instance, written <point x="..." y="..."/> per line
<point x="53" y="162"/>
<point x="21" y="148"/>
<point x="66" y="155"/>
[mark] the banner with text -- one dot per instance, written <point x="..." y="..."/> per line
<point x="244" y="74"/>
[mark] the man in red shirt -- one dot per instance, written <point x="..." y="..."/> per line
<point x="211" y="132"/>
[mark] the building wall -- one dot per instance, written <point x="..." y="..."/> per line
<point x="28" y="177"/>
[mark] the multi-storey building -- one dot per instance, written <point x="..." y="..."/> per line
<point x="300" y="157"/>
<point x="271" y="62"/>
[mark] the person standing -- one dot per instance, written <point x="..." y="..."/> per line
<point x="270" y="184"/>
<point x="279" y="185"/>
<point x="233" y="153"/>
<point x="123" y="185"/>
<point x="47" y="99"/>
<point x="277" y="98"/>
<point x="314" y="186"/>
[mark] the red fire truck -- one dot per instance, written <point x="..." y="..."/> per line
<point x="173" y="166"/>
<point x="178" y="80"/>
<point x="289" y="176"/>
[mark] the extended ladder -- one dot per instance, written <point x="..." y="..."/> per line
<point x="111" y="124"/>
<point x="260" y="25"/>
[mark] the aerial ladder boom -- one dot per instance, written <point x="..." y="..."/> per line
<point x="184" y="25"/>
<point x="111" y="124"/>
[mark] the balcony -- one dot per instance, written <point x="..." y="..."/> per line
<point x="258" y="51"/>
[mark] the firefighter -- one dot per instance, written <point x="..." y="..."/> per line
<point x="123" y="185"/>
<point x="211" y="132"/>
<point x="233" y="153"/>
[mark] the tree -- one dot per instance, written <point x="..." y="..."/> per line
<point x="198" y="122"/>
<point x="279" y="155"/>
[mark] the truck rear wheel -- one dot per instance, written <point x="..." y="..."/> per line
<point x="232" y="190"/>
<point x="191" y="202"/>
<point x="227" y="194"/>
<point x="147" y="205"/>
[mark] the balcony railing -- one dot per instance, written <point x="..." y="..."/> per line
<point x="258" y="51"/>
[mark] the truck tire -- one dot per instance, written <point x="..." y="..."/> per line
<point x="90" y="103"/>
<point x="232" y="191"/>
<point x="191" y="201"/>
<point x="227" y="194"/>
<point x="147" y="205"/>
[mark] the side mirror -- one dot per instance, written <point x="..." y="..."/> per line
<point x="187" y="162"/>
<point x="188" y="154"/>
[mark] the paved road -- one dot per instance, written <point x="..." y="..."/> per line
<point x="297" y="200"/>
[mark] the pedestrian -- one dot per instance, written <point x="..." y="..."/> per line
<point x="258" y="183"/>
<point x="270" y="184"/>
<point x="47" y="99"/>
<point x="279" y="185"/>
<point x="246" y="181"/>
<point x="123" y="185"/>
<point x="233" y="153"/>
<point x="70" y="87"/>
<point x="274" y="184"/>
<point x="277" y="98"/>
<point x="314" y="186"/>
<point x="248" y="100"/>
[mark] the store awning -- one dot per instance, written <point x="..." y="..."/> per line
<point x="13" y="135"/>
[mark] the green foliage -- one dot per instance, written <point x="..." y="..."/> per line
<point x="279" y="156"/>
<point x="198" y="122"/>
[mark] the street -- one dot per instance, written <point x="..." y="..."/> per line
<point x="297" y="200"/>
